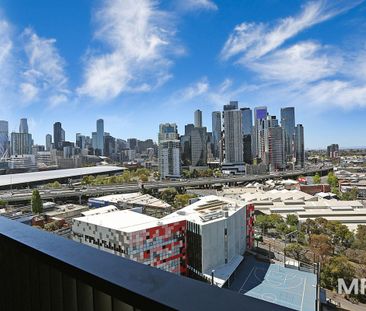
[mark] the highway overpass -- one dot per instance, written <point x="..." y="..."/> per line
<point x="21" y="195"/>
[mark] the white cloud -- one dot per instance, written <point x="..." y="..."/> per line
<point x="217" y="95"/>
<point x="303" y="73"/>
<point x="194" y="90"/>
<point x="190" y="5"/>
<point x="6" y="59"/>
<point x="139" y="38"/>
<point x="44" y="73"/>
<point x="300" y="63"/>
<point x="28" y="91"/>
<point x="332" y="93"/>
<point x="5" y="42"/>
<point x="252" y="41"/>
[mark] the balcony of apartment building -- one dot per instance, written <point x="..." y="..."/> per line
<point x="42" y="271"/>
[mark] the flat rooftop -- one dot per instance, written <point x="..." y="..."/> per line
<point x="124" y="221"/>
<point x="208" y="209"/>
<point x="134" y="199"/>
<point x="38" y="177"/>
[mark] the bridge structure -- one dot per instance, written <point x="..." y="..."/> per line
<point x="84" y="192"/>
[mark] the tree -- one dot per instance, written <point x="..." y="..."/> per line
<point x="168" y="195"/>
<point x="37" y="205"/>
<point x="55" y="185"/>
<point x="332" y="180"/>
<point x="182" y="200"/>
<point x="292" y="220"/>
<point x="321" y="246"/>
<point x="340" y="235"/>
<point x="296" y="251"/>
<point x="360" y="238"/>
<point x="3" y="203"/>
<point x="266" y="222"/>
<point x="316" y="179"/>
<point x="337" y="267"/>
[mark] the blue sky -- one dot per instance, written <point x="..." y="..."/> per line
<point x="137" y="63"/>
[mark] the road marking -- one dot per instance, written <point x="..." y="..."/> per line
<point x="303" y="293"/>
<point x="251" y="271"/>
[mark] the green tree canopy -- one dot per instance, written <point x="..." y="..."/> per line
<point x="168" y="195"/>
<point x="337" y="267"/>
<point x="292" y="220"/>
<point x="296" y="251"/>
<point x="316" y="179"/>
<point x="360" y="238"/>
<point x="321" y="246"/>
<point x="37" y="205"/>
<point x="332" y="180"/>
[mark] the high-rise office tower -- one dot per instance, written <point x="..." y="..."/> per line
<point x="288" y="125"/>
<point x="247" y="127"/>
<point x="299" y="145"/>
<point x="247" y="122"/>
<point x="263" y="142"/>
<point x="233" y="135"/>
<point x="48" y="142"/>
<point x="169" y="158"/>
<point x="80" y="141"/>
<point x="94" y="140"/>
<point x="21" y="143"/>
<point x="168" y="131"/>
<point x="216" y="133"/>
<point x="109" y="145"/>
<point x="169" y="151"/>
<point x="333" y="151"/>
<point x="57" y="136"/>
<point x="233" y="105"/>
<point x="276" y="150"/>
<point x="100" y="136"/>
<point x="198" y="118"/>
<point x="260" y="114"/>
<point x="132" y="143"/>
<point x="23" y="126"/>
<point x="4" y="138"/>
<point x="199" y="146"/>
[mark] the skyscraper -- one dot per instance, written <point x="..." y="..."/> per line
<point x="216" y="133"/>
<point x="247" y="127"/>
<point x="288" y="125"/>
<point x="168" y="131"/>
<point x="276" y="151"/>
<point x="233" y="136"/>
<point x="4" y="137"/>
<point x="100" y="136"/>
<point x="260" y="114"/>
<point x="247" y="122"/>
<point x="21" y="143"/>
<point x="233" y="105"/>
<point x="48" y="142"/>
<point x="57" y="135"/>
<point x="94" y="140"/>
<point x="169" y="151"/>
<point x="300" y="145"/>
<point x="198" y="118"/>
<point x="23" y="126"/>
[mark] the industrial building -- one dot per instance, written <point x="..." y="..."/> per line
<point x="145" y="202"/>
<point x="285" y="202"/>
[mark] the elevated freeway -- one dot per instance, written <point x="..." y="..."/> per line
<point x="21" y="195"/>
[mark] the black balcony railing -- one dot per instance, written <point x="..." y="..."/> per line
<point x="42" y="271"/>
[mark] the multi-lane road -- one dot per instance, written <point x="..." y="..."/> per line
<point x="20" y="195"/>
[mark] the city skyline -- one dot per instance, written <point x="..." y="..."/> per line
<point x="235" y="51"/>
